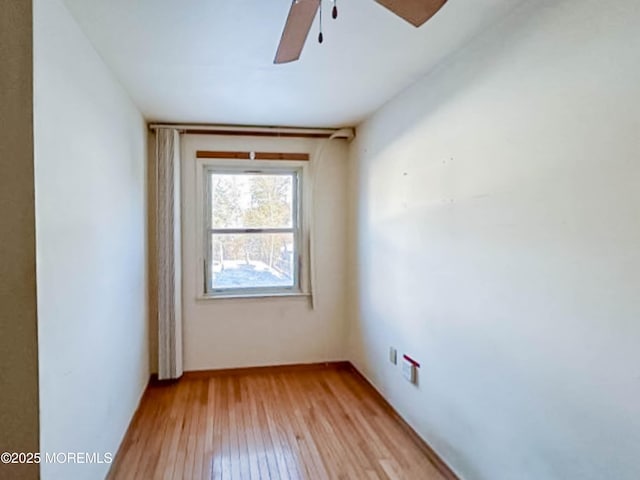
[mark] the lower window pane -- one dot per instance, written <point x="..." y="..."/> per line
<point x="252" y="261"/>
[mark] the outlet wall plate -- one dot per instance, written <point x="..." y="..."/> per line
<point x="393" y="355"/>
<point x="409" y="371"/>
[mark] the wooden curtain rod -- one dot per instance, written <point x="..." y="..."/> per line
<point x="254" y="131"/>
<point x="304" y="157"/>
<point x="251" y="133"/>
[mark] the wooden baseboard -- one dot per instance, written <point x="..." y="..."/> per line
<point x="440" y="464"/>
<point x="297" y="367"/>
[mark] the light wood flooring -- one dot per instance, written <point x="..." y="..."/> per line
<point x="306" y="423"/>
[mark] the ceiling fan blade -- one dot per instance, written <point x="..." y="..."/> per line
<point x="416" y="12"/>
<point x="296" y="30"/>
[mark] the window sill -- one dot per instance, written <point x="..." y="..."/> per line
<point x="236" y="296"/>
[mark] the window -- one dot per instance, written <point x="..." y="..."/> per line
<point x="252" y="231"/>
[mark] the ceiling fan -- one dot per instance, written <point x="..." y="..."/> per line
<point x="302" y="13"/>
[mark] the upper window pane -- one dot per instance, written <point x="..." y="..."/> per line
<point x="251" y="200"/>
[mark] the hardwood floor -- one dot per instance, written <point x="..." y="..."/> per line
<point x="322" y="423"/>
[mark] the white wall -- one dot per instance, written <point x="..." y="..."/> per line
<point x="18" y="322"/>
<point x="226" y="333"/>
<point x="90" y="150"/>
<point x="498" y="241"/>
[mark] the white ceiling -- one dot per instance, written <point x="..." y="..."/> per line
<point x="210" y="61"/>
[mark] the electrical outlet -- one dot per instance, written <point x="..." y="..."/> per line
<point x="393" y="355"/>
<point x="409" y="371"/>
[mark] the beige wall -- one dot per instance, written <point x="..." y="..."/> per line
<point x="90" y="158"/>
<point x="225" y="333"/>
<point x="498" y="242"/>
<point x="18" y="332"/>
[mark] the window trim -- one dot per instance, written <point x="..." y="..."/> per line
<point x="267" y="167"/>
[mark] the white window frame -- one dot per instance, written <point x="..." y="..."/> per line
<point x="264" y="167"/>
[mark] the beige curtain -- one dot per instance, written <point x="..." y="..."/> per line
<point x="168" y="253"/>
<point x="315" y="165"/>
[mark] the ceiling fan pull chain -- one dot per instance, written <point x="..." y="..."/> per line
<point x="334" y="11"/>
<point x="320" y="37"/>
